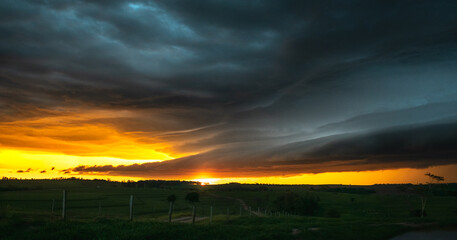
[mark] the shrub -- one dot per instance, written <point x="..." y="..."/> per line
<point x="192" y="197"/>
<point x="171" y="198"/>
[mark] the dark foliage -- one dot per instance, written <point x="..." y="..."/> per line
<point x="240" y="187"/>
<point x="351" y="190"/>
<point x="158" y="183"/>
<point x="171" y="198"/>
<point x="192" y="197"/>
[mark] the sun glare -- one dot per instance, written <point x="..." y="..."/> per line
<point x="207" y="181"/>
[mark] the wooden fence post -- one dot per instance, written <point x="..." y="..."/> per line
<point x="52" y="207"/>
<point x="170" y="211"/>
<point x="64" y="203"/>
<point x="131" y="207"/>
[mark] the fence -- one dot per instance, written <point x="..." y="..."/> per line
<point x="124" y="204"/>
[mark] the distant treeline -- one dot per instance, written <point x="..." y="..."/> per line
<point x="348" y="190"/>
<point x="158" y="183"/>
<point x="15" y="188"/>
<point x="444" y="189"/>
<point x="15" y="184"/>
<point x="444" y="192"/>
<point x="239" y="187"/>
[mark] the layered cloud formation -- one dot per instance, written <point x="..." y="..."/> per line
<point x="235" y="88"/>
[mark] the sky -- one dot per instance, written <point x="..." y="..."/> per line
<point x="344" y="92"/>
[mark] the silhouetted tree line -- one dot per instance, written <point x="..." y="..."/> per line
<point x="239" y="187"/>
<point x="14" y="184"/>
<point x="15" y="188"/>
<point x="349" y="190"/>
<point x="158" y="183"/>
<point x="445" y="190"/>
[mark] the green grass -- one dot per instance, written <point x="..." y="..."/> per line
<point x="25" y="212"/>
<point x="239" y="228"/>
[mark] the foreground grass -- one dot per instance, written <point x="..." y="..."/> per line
<point x="240" y="228"/>
<point x="99" y="210"/>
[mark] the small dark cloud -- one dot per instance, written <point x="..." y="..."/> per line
<point x="43" y="171"/>
<point x="24" y="171"/>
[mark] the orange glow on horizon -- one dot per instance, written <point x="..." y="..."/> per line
<point x="82" y="133"/>
<point x="391" y="176"/>
<point x="43" y="147"/>
<point x="34" y="163"/>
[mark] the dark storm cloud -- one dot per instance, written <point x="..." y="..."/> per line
<point x="239" y="81"/>
<point x="414" y="147"/>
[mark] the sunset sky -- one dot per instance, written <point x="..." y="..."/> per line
<point x="290" y="92"/>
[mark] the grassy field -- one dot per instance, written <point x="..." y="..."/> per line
<point x="100" y="210"/>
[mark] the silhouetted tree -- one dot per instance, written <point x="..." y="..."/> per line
<point x="171" y="198"/>
<point x="426" y="193"/>
<point x="193" y="197"/>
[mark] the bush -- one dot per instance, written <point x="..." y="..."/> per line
<point x="171" y="198"/>
<point x="192" y="197"/>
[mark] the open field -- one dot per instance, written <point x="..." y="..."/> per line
<point x="100" y="210"/>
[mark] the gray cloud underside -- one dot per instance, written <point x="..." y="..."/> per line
<point x="413" y="147"/>
<point x="240" y="80"/>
